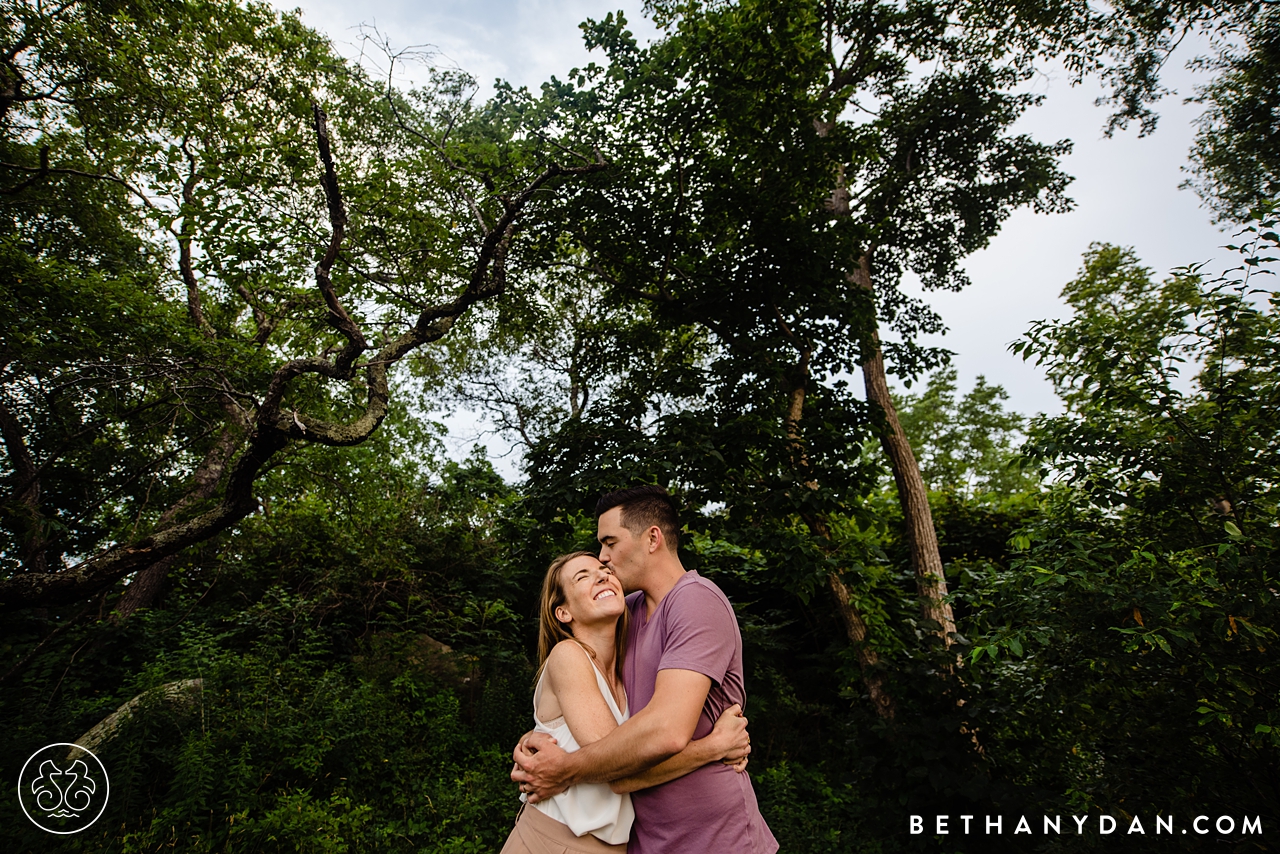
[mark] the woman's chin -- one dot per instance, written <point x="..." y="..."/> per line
<point x="605" y="611"/>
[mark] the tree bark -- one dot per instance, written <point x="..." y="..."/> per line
<point x="913" y="496"/>
<point x="855" y="627"/>
<point x="148" y="584"/>
<point x="25" y="500"/>
<point x="868" y="661"/>
<point x="273" y="426"/>
<point x="90" y="576"/>
<point x="185" y="692"/>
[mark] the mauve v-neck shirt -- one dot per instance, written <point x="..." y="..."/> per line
<point x="712" y="809"/>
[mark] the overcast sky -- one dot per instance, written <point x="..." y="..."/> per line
<point x="1125" y="188"/>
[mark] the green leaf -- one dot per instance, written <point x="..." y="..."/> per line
<point x="1161" y="642"/>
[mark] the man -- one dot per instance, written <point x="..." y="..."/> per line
<point x="683" y="668"/>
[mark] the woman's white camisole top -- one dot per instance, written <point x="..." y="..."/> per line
<point x="587" y="807"/>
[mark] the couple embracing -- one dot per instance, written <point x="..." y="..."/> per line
<point x="669" y="778"/>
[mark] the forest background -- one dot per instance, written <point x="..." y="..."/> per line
<point x="240" y="566"/>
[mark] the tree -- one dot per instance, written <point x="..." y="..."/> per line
<point x="969" y="446"/>
<point x="165" y="157"/>
<point x="755" y="206"/>
<point x="1236" y="156"/>
<point x="339" y="668"/>
<point x="1138" y="617"/>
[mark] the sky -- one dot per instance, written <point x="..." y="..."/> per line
<point x="1126" y="188"/>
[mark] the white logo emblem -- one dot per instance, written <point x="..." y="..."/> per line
<point x="63" y="788"/>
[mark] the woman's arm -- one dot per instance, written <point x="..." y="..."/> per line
<point x="571" y="677"/>
<point x="727" y="742"/>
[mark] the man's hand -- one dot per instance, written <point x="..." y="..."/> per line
<point x="731" y="739"/>
<point x="541" y="767"/>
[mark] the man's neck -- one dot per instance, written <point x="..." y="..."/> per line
<point x="659" y="582"/>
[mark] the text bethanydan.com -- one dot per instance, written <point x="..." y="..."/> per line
<point x="943" y="825"/>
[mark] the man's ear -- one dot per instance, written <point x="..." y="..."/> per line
<point x="655" y="539"/>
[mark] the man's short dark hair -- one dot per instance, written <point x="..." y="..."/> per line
<point x="643" y="507"/>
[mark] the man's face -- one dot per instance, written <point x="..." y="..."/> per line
<point x="620" y="550"/>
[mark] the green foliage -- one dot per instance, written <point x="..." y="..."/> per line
<point x="1134" y="623"/>
<point x="332" y="717"/>
<point x="810" y="813"/>
<point x="691" y="317"/>
<point x="967" y="446"/>
<point x="140" y="128"/>
<point x="213" y="174"/>
<point x="1236" y="156"/>
<point x="1172" y="390"/>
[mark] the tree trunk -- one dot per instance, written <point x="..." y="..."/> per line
<point x="24" y="505"/>
<point x="868" y="661"/>
<point x="185" y="692"/>
<point x="855" y="627"/>
<point x="913" y="497"/>
<point x="148" y="584"/>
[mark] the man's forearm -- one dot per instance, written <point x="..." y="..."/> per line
<point x="636" y="746"/>
<point x="694" y="756"/>
<point x="658" y="731"/>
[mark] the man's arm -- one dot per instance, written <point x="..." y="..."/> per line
<point x="728" y="742"/>
<point x="657" y="732"/>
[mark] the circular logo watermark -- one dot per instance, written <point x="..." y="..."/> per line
<point x="63" y="788"/>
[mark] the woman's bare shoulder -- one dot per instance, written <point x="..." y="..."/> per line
<point x="568" y="659"/>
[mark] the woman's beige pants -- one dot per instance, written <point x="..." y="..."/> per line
<point x="536" y="833"/>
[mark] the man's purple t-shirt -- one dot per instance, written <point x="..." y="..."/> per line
<point x="714" y="808"/>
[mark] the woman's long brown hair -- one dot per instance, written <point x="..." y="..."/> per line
<point x="551" y="631"/>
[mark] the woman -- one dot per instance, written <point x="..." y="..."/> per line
<point x="579" y="698"/>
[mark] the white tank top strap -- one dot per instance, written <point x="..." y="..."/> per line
<point x="619" y="714"/>
<point x="587" y="807"/>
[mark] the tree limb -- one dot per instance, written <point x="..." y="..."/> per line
<point x="273" y="427"/>
<point x="26" y="494"/>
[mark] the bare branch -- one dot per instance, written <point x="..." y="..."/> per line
<point x="338" y="316"/>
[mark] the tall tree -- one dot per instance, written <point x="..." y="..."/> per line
<point x="1138" y="619"/>
<point x="172" y="181"/>
<point x="784" y="167"/>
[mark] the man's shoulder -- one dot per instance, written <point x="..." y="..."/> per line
<point x="698" y="586"/>
<point x="696" y="592"/>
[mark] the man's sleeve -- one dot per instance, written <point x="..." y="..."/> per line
<point x="700" y="633"/>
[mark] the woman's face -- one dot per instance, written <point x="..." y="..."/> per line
<point x="592" y="592"/>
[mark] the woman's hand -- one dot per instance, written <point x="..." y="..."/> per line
<point x="731" y="739"/>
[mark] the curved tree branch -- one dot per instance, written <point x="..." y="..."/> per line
<point x="273" y="427"/>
